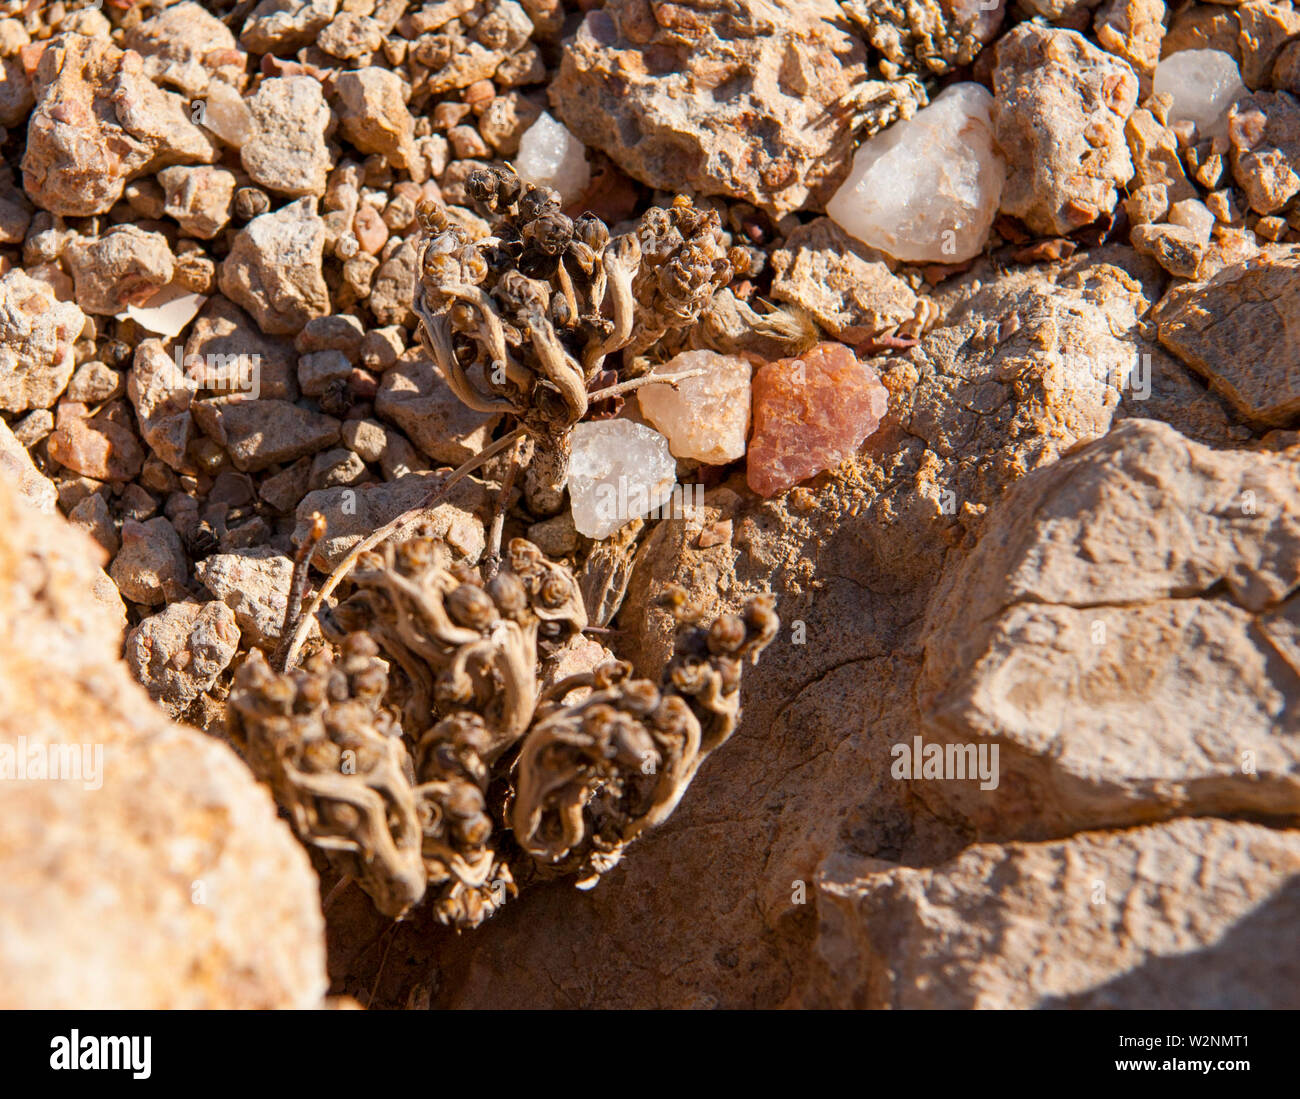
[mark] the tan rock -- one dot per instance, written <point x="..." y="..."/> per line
<point x="415" y="397"/>
<point x="178" y="653"/>
<point x="124" y="267"/>
<point x="848" y="287"/>
<point x="1103" y="635"/>
<point x="198" y="198"/>
<point x="102" y="446"/>
<point x="1059" y="111"/>
<point x="353" y="513"/>
<point x="1192" y="914"/>
<point x="1133" y="30"/>
<point x="1265" y="29"/>
<point x="1235" y="330"/>
<point x="184" y="47"/>
<point x="1203" y="27"/>
<point x="1155" y="156"/>
<point x="738" y="103"/>
<point x="99" y="121"/>
<point x="286" y="152"/>
<point x="161" y="397"/>
<point x="19" y="471"/>
<point x="198" y="894"/>
<point x="1264" y="130"/>
<point x="373" y="114"/>
<point x="37" y="332"/>
<point x="264" y="432"/>
<point x="150" y="568"/>
<point x="274" y="269"/>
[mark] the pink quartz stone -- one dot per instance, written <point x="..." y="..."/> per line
<point x="811" y="413"/>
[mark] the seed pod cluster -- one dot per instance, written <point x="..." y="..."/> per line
<point x="524" y="321"/>
<point x="442" y="773"/>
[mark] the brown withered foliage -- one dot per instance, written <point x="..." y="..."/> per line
<point x="439" y="772"/>
<point x="526" y="321"/>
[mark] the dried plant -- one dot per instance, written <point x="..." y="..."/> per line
<point x="524" y="321"/>
<point x="457" y="777"/>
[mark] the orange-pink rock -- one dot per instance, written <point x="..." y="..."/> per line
<point x="810" y="413"/>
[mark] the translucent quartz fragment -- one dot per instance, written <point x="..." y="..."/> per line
<point x="926" y="189"/>
<point x="810" y="413"/>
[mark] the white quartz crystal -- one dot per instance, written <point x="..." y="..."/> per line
<point x="705" y="418"/>
<point x="926" y="189"/>
<point x="1204" y="84"/>
<point x="618" y="471"/>
<point x="550" y="156"/>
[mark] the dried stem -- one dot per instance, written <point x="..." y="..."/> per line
<point x="387" y="530"/>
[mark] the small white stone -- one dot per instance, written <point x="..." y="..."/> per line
<point x="705" y="418"/>
<point x="1193" y="215"/>
<point x="618" y="471"/>
<point x="1204" y="84"/>
<point x="550" y="156"/>
<point x="926" y="190"/>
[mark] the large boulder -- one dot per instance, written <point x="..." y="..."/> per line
<point x="154" y="872"/>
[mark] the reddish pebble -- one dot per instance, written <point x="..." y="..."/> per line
<point x="370" y="230"/>
<point x="810" y="413"/>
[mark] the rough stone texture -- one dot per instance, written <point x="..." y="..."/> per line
<point x="254" y="584"/>
<point x="126" y="266"/>
<point x="176" y="810"/>
<point x="260" y="433"/>
<point x="274" y="269"/>
<point x="705" y="418"/>
<point x="1177" y="248"/>
<point x="286" y="151"/>
<point x="1155" y="156"/>
<point x="847" y="287"/>
<point x="373" y="114"/>
<point x="19" y="471"/>
<point x="283" y="26"/>
<point x="223" y="330"/>
<point x="1264" y="130"/>
<point x="1265" y="29"/>
<point x="1103" y="590"/>
<point x="414" y="396"/>
<point x="36" y="336"/>
<point x="1132" y="30"/>
<point x="102" y="446"/>
<point x="1060" y="106"/>
<point x="178" y="653"/>
<point x="352" y="513"/>
<point x="1239" y="331"/>
<point x="161" y="399"/>
<point x="927" y="188"/>
<point x="150" y="567"/>
<point x="176" y="45"/>
<point x="738" y="101"/>
<point x="98" y="122"/>
<point x="198" y="198"/>
<point x="1196" y="913"/>
<point x="810" y="413"/>
<point x="1203" y="27"/>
